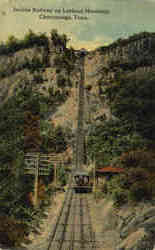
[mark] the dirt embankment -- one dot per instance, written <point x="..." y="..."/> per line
<point x="131" y="227"/>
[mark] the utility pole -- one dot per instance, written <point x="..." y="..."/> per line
<point x="94" y="167"/>
<point x="38" y="165"/>
<point x="36" y="181"/>
<point x="55" y="176"/>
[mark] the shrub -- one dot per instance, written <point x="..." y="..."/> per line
<point x="62" y="176"/>
<point x="119" y="197"/>
<point x="61" y="81"/>
<point x="12" y="232"/>
<point x="138" y="192"/>
<point x="138" y="158"/>
<point x="134" y="185"/>
<point x="31" y="39"/>
<point x="116" y="189"/>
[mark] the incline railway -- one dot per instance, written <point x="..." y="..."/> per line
<point x="73" y="228"/>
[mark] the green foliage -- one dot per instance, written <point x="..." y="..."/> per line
<point x="117" y="189"/>
<point x="115" y="143"/>
<point x="62" y="176"/>
<point x="33" y="65"/>
<point x="59" y="40"/>
<point x="128" y="139"/>
<point x="130" y="99"/>
<point x="138" y="158"/>
<point x="59" y="61"/>
<point x="54" y="139"/>
<point x="138" y="192"/>
<point x="57" y="97"/>
<point x="30" y="40"/>
<point x="12" y="232"/>
<point x="11" y="170"/>
<point x="61" y="81"/>
<point x="11" y="131"/>
<point x="65" y="60"/>
<point x="138" y="180"/>
<point x="110" y="139"/>
<point x="27" y="99"/>
<point x="15" y="186"/>
<point x="12" y="43"/>
<point x="38" y="78"/>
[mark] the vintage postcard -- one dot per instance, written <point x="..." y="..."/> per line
<point x="77" y="137"/>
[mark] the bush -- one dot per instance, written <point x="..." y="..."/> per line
<point x="12" y="232"/>
<point x="134" y="185"/>
<point x="138" y="192"/>
<point x="116" y="189"/>
<point x="31" y="39"/>
<point x="138" y="158"/>
<point x="119" y="197"/>
<point x="62" y="176"/>
<point x="61" y="81"/>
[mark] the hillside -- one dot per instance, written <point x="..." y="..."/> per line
<point x="41" y="63"/>
<point x="39" y="80"/>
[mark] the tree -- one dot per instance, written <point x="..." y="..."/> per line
<point x="59" y="40"/>
<point x="132" y="100"/>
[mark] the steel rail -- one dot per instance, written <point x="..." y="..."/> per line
<point x="91" y="232"/>
<point x="81" y="222"/>
<point x="65" y="221"/>
<point x="52" y="237"/>
<point x="72" y="238"/>
<point x="59" y="234"/>
<point x="73" y="229"/>
<point x="53" y="234"/>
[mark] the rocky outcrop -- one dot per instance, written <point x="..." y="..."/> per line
<point x="138" y="231"/>
<point x="128" y="55"/>
<point x="131" y="227"/>
<point x="139" y="240"/>
<point x="36" y="65"/>
<point x="135" y="55"/>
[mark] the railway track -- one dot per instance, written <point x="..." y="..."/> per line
<point x="73" y="229"/>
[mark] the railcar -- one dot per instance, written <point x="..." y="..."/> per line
<point x="82" y="182"/>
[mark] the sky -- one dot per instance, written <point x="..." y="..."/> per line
<point x="118" y="19"/>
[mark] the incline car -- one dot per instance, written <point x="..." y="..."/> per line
<point x="82" y="182"/>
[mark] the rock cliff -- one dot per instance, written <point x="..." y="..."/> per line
<point x="129" y="228"/>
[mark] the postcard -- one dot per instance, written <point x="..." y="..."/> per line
<point x="77" y="124"/>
